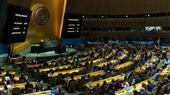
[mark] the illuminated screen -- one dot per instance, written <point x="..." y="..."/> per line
<point x="17" y="22"/>
<point x="153" y="28"/>
<point x="72" y="26"/>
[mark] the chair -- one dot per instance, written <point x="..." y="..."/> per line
<point x="74" y="73"/>
<point x="97" y="91"/>
<point x="53" y="81"/>
<point x="80" y="85"/>
<point x="25" y="70"/>
<point x="15" y="66"/>
<point x="80" y="72"/>
<point x="163" y="88"/>
<point x="22" y="81"/>
<point x="29" y="90"/>
<point x="147" y="75"/>
<point x="60" y="77"/>
<point x="152" y="73"/>
<point x="66" y="75"/>
<point x="38" y="75"/>
<point x="93" y="78"/>
<point x="154" y="91"/>
<point x="98" y="77"/>
<point x="16" y="91"/>
<point x="107" y="75"/>
<point x="72" y="86"/>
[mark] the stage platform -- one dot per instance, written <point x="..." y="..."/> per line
<point x="48" y="54"/>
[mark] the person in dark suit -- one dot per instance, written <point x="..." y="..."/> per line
<point x="150" y="86"/>
<point x="8" y="74"/>
<point x="22" y="77"/>
<point x="28" y="85"/>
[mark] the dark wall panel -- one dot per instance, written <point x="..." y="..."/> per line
<point x="117" y="6"/>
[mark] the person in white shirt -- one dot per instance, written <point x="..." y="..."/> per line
<point x="125" y="84"/>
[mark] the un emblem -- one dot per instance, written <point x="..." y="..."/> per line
<point x="40" y="15"/>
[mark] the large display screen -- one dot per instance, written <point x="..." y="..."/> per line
<point x="16" y="26"/>
<point x="72" y="26"/>
<point x="153" y="28"/>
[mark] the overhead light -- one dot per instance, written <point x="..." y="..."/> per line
<point x="83" y="16"/>
<point x="126" y="16"/>
<point x="148" y="15"/>
<point x="102" y="16"/>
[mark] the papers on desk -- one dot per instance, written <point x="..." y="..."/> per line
<point x="7" y="78"/>
<point x="9" y="87"/>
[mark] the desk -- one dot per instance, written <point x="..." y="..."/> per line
<point x="165" y="72"/>
<point x="34" y="65"/>
<point x="168" y="54"/>
<point x="123" y="65"/>
<point x="124" y="55"/>
<point x="105" y="63"/>
<point x="113" y="52"/>
<point x="20" y="85"/>
<point x="94" y="61"/>
<point x="108" y="80"/>
<point x="65" y="72"/>
<point x="137" y="57"/>
<point x="82" y="59"/>
<point x="123" y="91"/>
<point x="143" y="67"/>
<point x="91" y="74"/>
<point x="98" y="60"/>
<point x="53" y="68"/>
<point x="4" y="73"/>
<point x="39" y="93"/>
<point x="16" y="78"/>
<point x="25" y="62"/>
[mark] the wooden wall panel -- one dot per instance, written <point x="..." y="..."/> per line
<point x="125" y="34"/>
<point x="126" y="22"/>
<point x="51" y="30"/>
<point x="113" y="7"/>
<point x="22" y="3"/>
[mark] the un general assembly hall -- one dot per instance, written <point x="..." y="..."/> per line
<point x="84" y="47"/>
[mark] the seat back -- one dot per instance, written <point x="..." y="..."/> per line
<point x="163" y="88"/>
<point x="153" y="93"/>
<point x="29" y="90"/>
<point x="22" y="81"/>
<point x="16" y="91"/>
<point x="97" y="91"/>
<point x="154" y="89"/>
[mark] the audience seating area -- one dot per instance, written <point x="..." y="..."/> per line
<point x="102" y="70"/>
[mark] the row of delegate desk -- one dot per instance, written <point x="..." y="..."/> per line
<point x="118" y="77"/>
<point x="165" y="72"/>
<point x="67" y="71"/>
<point x="90" y="86"/>
<point x="22" y="85"/>
<point x="78" y="69"/>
